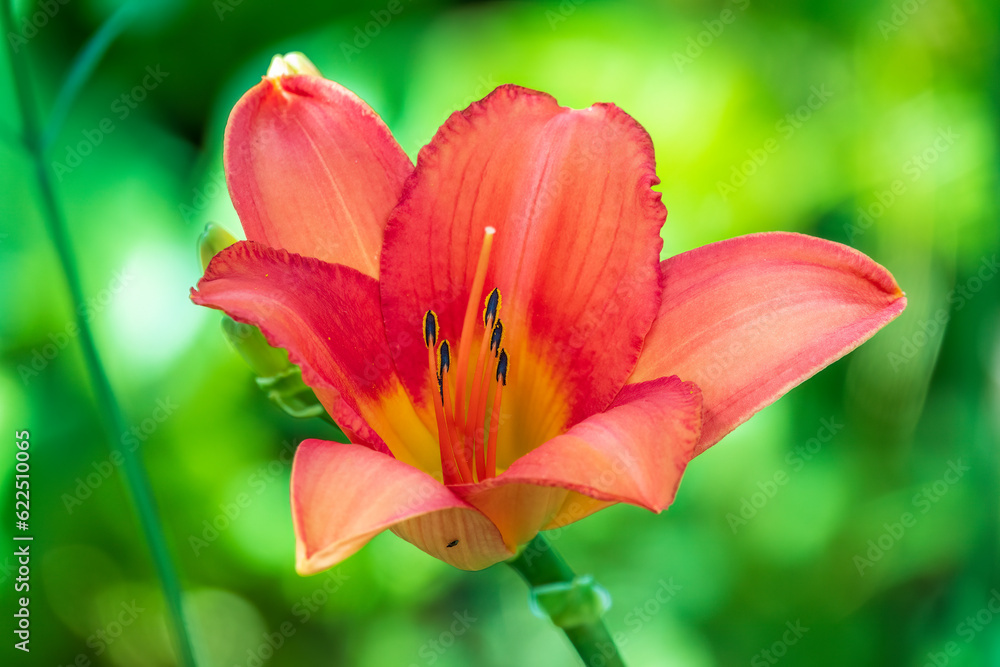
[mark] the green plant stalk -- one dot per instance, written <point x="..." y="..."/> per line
<point x="136" y="480"/>
<point x="541" y="565"/>
<point x="83" y="66"/>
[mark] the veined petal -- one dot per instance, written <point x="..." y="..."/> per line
<point x="312" y="169"/>
<point x="327" y="316"/>
<point x="749" y="318"/>
<point x="343" y="495"/>
<point x="575" y="252"/>
<point x="635" y="452"/>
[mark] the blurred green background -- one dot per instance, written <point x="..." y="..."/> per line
<point x="873" y="124"/>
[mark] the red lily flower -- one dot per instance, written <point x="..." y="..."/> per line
<point x="493" y="328"/>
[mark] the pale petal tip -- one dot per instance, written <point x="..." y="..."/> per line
<point x="306" y="568"/>
<point x="291" y="64"/>
<point x="307" y="564"/>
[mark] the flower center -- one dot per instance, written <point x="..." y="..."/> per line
<point x="467" y="430"/>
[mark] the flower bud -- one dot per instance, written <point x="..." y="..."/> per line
<point x="212" y="241"/>
<point x="264" y="360"/>
<point x="291" y="64"/>
<point x="276" y="374"/>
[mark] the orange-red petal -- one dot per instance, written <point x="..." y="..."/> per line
<point x="343" y="495"/>
<point x="312" y="169"/>
<point x="575" y="253"/>
<point x="749" y="318"/>
<point x="635" y="452"/>
<point x="327" y="316"/>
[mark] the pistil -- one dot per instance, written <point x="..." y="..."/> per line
<point x="465" y="342"/>
<point x="491" y="450"/>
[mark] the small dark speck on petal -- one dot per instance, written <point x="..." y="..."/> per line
<point x="452" y="543"/>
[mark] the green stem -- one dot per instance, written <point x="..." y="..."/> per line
<point x="541" y="566"/>
<point x="83" y="66"/>
<point x="136" y="480"/>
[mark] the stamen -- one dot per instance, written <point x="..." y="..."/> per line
<point x="456" y="447"/>
<point x="475" y="424"/>
<point x="497" y="338"/>
<point x="444" y="356"/>
<point x="448" y="469"/>
<point x="481" y="391"/>
<point x="502" y="368"/>
<point x="491" y="449"/>
<point x="439" y="364"/>
<point x="496" y="341"/>
<point x="430" y="328"/>
<point x="465" y="343"/>
<point x="492" y="308"/>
